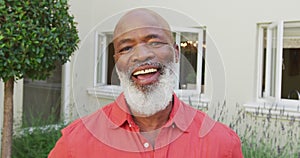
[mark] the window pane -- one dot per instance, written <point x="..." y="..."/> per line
<point x="106" y="73"/>
<point x="112" y="77"/>
<point x="188" y="60"/>
<point x="42" y="99"/>
<point x="263" y="86"/>
<point x="203" y="61"/>
<point x="101" y="44"/>
<point x="290" y="86"/>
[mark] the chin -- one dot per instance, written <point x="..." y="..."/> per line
<point x="146" y="100"/>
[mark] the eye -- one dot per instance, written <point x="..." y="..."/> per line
<point x="156" y="44"/>
<point x="125" y="49"/>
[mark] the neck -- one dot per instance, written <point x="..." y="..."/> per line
<point x="153" y="122"/>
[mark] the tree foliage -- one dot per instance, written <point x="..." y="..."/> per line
<point x="34" y="34"/>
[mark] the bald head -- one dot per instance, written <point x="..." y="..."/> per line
<point x="141" y="18"/>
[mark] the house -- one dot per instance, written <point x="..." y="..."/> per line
<point x="241" y="52"/>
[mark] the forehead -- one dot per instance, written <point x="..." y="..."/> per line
<point x="140" y="20"/>
<point x="141" y="33"/>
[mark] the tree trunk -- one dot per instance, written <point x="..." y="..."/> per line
<point x="7" y="130"/>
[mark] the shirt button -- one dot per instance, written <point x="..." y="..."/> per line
<point x="146" y="145"/>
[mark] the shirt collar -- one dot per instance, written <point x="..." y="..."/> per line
<point x="120" y="112"/>
<point x="181" y="115"/>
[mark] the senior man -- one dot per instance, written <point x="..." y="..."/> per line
<point x="147" y="119"/>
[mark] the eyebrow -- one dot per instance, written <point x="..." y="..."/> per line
<point x="146" y="38"/>
<point x="151" y="36"/>
<point x="126" y="40"/>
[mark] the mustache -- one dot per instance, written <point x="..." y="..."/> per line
<point x="151" y="63"/>
<point x="162" y="69"/>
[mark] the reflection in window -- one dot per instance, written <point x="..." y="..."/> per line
<point x="188" y="60"/>
<point x="42" y="99"/>
<point x="290" y="88"/>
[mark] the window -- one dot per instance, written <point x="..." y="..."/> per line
<point x="279" y="49"/>
<point x="106" y="74"/>
<point x="42" y="99"/>
<point x="191" y="42"/>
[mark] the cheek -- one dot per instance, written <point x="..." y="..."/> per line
<point x="167" y="56"/>
<point x="121" y="63"/>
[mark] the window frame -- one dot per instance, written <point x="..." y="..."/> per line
<point x="200" y="55"/>
<point x="278" y="61"/>
<point x="100" y="47"/>
<point x="266" y="105"/>
<point x="267" y="99"/>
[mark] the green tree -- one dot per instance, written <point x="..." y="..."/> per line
<point x="34" y="35"/>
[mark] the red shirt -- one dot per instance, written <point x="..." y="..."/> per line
<point x="111" y="132"/>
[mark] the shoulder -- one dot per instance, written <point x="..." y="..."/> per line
<point x="223" y="131"/>
<point x="210" y="127"/>
<point x="217" y="136"/>
<point x="80" y="124"/>
<point x="215" y="129"/>
<point x="229" y="141"/>
<point x="213" y="132"/>
<point x="80" y="135"/>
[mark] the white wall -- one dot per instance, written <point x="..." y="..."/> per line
<point x="232" y="31"/>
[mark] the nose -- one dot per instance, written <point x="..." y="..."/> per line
<point x="142" y="53"/>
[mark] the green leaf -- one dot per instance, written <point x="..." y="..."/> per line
<point x="27" y="61"/>
<point x="19" y="66"/>
<point x="39" y="60"/>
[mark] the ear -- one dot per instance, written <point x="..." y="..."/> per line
<point x="176" y="51"/>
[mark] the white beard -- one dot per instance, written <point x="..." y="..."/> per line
<point x="153" y="98"/>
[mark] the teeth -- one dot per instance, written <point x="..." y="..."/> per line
<point x="141" y="72"/>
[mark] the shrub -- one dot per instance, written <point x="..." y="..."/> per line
<point x="263" y="134"/>
<point x="269" y="138"/>
<point x="35" y="142"/>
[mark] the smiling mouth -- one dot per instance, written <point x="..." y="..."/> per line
<point x="146" y="75"/>
<point x="146" y="71"/>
